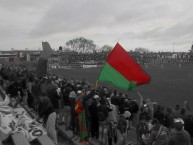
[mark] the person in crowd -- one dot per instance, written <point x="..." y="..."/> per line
<point x="93" y="108"/>
<point x="80" y="101"/>
<point x="183" y="113"/>
<point x="150" y="107"/>
<point x="73" y="124"/>
<point x="15" y="89"/>
<point x="134" y="109"/>
<point x="159" y="134"/>
<point x="158" y="114"/>
<point x="186" y="106"/>
<point x="112" y="113"/>
<point x="170" y="117"/>
<point x="144" y="112"/>
<point x="179" y="136"/>
<point x="121" y="103"/>
<point x="53" y="92"/>
<point x="176" y="111"/>
<point x="104" y="106"/>
<point x="112" y="123"/>
<point x="49" y="118"/>
<point x="65" y="93"/>
<point x="167" y="119"/>
<point x="122" y="127"/>
<point x="89" y="109"/>
<point x="142" y="129"/>
<point x="44" y="85"/>
<point x="114" y="97"/>
<point x="35" y="93"/>
<point x="87" y="99"/>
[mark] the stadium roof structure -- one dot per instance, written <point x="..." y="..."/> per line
<point x="7" y="55"/>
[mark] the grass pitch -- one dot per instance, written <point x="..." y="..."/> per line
<point x="169" y="85"/>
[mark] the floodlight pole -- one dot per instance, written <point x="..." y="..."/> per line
<point x="173" y="47"/>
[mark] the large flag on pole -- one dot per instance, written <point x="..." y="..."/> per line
<point x="43" y="60"/>
<point x="122" y="71"/>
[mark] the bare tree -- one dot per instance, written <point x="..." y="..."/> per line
<point x="106" y="48"/>
<point x="142" y="50"/>
<point x="81" y="45"/>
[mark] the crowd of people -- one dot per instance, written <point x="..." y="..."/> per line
<point x="75" y="57"/>
<point x="142" y="58"/>
<point x="92" y="108"/>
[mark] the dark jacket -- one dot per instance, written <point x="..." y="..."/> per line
<point x="180" y="138"/>
<point x="163" y="136"/>
<point x="122" y="124"/>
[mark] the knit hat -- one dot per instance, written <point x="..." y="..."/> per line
<point x="79" y="91"/>
<point x="72" y="94"/>
<point x="96" y="96"/>
<point x="178" y="124"/>
<point x="127" y="114"/>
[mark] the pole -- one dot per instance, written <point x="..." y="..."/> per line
<point x="173" y="47"/>
<point x="96" y="84"/>
<point x="141" y="99"/>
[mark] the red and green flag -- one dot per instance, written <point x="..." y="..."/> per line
<point x="122" y="71"/>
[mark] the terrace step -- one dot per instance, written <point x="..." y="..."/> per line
<point x="45" y="140"/>
<point x="19" y="139"/>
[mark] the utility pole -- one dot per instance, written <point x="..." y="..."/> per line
<point x="173" y="47"/>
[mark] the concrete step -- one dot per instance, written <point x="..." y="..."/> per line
<point x="19" y="139"/>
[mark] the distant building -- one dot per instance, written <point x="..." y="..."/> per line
<point x="66" y="56"/>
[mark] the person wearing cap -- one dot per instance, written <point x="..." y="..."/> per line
<point x="179" y="136"/>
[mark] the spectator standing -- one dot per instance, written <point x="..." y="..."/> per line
<point x="122" y="127"/>
<point x="142" y="129"/>
<point x="159" y="133"/>
<point x="176" y="111"/>
<point x="73" y="124"/>
<point x="150" y="107"/>
<point x="79" y="109"/>
<point x="179" y="136"/>
<point x="49" y="118"/>
<point x="93" y="108"/>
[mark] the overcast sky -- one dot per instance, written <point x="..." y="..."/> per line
<point x="152" y="24"/>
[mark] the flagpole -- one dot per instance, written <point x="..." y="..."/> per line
<point x="96" y="84"/>
<point x="141" y="99"/>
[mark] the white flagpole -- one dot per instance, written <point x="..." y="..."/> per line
<point x="141" y="99"/>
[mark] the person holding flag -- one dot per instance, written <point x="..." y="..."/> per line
<point x="123" y="72"/>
